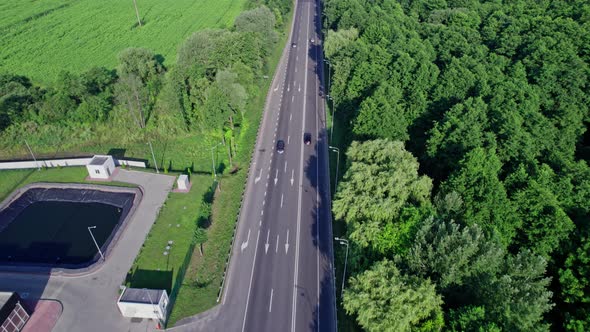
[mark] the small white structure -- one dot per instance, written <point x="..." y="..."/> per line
<point x="101" y="167"/>
<point x="183" y="182"/>
<point x="144" y="303"/>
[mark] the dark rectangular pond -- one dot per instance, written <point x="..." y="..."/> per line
<point x="39" y="228"/>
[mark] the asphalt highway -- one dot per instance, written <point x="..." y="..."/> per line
<point x="280" y="275"/>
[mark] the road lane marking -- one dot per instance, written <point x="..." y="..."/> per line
<point x="290" y="117"/>
<point x="292" y="98"/>
<point x="270" y="304"/>
<point x="276" y="177"/>
<point x="250" y="287"/>
<point x="296" y="277"/>
<point x="287" y="243"/>
<point x="263" y="202"/>
<point x="265" y="193"/>
<point x="245" y="243"/>
<point x="299" y="87"/>
<point x="288" y="88"/>
<point x="288" y="139"/>
<point x="258" y="177"/>
<point x="262" y="212"/>
<point x="281" y="200"/>
<point x="285" y="171"/>
<point x="266" y="244"/>
<point x="277" y="247"/>
<point x="292" y="173"/>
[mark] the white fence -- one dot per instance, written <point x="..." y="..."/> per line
<point x="63" y="163"/>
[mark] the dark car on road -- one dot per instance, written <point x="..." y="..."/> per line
<point x="280" y="146"/>
<point x="307" y="138"/>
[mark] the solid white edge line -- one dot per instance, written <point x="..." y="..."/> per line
<point x="250" y="286"/>
<point x="296" y="279"/>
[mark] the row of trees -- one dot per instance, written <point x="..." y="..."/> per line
<point x="207" y="91"/>
<point x="482" y="223"/>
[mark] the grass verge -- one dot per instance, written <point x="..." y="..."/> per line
<point x="13" y="179"/>
<point x="172" y="233"/>
<point x="200" y="287"/>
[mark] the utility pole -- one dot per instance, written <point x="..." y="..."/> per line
<point x="154" y="157"/>
<point x="33" y="155"/>
<point x="137" y="12"/>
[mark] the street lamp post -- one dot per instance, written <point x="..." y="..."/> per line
<point x="343" y="242"/>
<point x="329" y="72"/>
<point x="153" y="156"/>
<point x="333" y="115"/>
<point x="95" y="243"/>
<point x="335" y="149"/>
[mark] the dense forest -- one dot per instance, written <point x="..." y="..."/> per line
<point x="467" y="190"/>
<point x="215" y="77"/>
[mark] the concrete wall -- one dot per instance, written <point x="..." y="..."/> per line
<point x="63" y="163"/>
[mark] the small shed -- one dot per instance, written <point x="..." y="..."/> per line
<point x="101" y="167"/>
<point x="183" y="183"/>
<point x="13" y="315"/>
<point x="144" y="303"/>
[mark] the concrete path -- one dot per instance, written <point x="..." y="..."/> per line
<point x="89" y="301"/>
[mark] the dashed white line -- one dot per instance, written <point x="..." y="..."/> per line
<point x="270" y="304"/>
<point x="277" y="247"/>
<point x="290" y="116"/>
<point x="281" y="200"/>
<point x="292" y="98"/>
<point x="288" y="139"/>
<point x="285" y="171"/>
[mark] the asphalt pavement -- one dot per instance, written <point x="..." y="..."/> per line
<point x="280" y="275"/>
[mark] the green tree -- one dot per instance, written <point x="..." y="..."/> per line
<point x="381" y="180"/>
<point x="386" y="300"/>
<point x="449" y="255"/>
<point x="517" y="298"/>
<point x="574" y="279"/>
<point x="485" y="199"/>
<point x="261" y="21"/>
<point x="200" y="237"/>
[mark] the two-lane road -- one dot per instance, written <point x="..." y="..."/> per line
<point x="280" y="275"/>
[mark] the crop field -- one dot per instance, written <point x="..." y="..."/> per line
<point x="41" y="38"/>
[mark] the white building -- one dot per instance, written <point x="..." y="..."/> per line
<point x="101" y="167"/>
<point x="144" y="303"/>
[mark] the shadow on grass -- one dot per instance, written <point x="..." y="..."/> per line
<point x="151" y="279"/>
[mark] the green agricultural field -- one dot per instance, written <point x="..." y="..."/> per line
<point x="41" y="38"/>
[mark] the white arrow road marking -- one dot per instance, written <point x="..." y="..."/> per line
<point x="277" y="87"/>
<point x="276" y="177"/>
<point x="287" y="243"/>
<point x="258" y="178"/>
<point x="281" y="200"/>
<point x="266" y="244"/>
<point x="270" y="304"/>
<point x="245" y="244"/>
<point x="292" y="174"/>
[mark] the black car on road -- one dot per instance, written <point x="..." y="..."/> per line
<point x="307" y="138"/>
<point x="280" y="146"/>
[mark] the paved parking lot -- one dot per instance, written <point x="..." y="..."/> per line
<point x="89" y="301"/>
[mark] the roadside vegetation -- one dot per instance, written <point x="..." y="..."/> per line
<point x="464" y="194"/>
<point x="203" y="108"/>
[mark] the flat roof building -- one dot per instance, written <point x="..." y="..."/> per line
<point x="13" y="315"/>
<point x="144" y="303"/>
